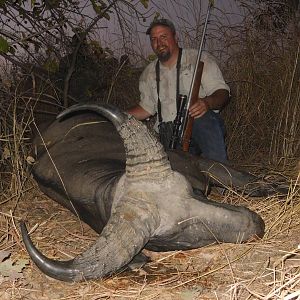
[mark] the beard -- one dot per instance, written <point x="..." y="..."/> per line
<point x="163" y="55"/>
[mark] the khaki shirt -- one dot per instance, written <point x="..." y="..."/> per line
<point x="212" y="80"/>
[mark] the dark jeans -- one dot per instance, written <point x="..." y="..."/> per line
<point x="208" y="137"/>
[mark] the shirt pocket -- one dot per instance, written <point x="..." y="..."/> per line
<point x="185" y="82"/>
<point x="186" y="76"/>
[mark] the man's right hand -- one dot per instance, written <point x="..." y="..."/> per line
<point x="138" y="112"/>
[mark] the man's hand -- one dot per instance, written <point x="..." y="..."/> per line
<point x="199" y="108"/>
<point x="138" y="112"/>
<point x="215" y="101"/>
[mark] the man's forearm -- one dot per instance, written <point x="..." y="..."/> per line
<point x="217" y="100"/>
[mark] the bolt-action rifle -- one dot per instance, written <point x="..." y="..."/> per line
<point x="183" y="123"/>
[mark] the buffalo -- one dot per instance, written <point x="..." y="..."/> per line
<point x="107" y="168"/>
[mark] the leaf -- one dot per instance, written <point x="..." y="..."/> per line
<point x="13" y="270"/>
<point x="97" y="8"/>
<point x="191" y="293"/>
<point x="145" y="3"/>
<point x="51" y="65"/>
<point x="151" y="57"/>
<point x="4" y="46"/>
<point x="3" y="255"/>
<point x="106" y="16"/>
<point x="30" y="160"/>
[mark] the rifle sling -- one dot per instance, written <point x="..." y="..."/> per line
<point x="157" y="71"/>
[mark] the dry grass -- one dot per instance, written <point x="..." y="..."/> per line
<point x="265" y="269"/>
<point x="14" y="146"/>
<point x="263" y="118"/>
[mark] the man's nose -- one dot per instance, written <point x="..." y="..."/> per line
<point x="159" y="43"/>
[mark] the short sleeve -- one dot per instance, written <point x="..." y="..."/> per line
<point x="212" y="78"/>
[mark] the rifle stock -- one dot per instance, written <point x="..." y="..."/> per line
<point x="186" y="137"/>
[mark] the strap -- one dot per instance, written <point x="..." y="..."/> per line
<point x="178" y="66"/>
<point x="157" y="72"/>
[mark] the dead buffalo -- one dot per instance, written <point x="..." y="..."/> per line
<point x="109" y="170"/>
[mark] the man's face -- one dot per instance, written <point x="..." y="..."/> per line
<point x="163" y="42"/>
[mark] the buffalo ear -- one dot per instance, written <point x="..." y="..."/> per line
<point x="184" y="163"/>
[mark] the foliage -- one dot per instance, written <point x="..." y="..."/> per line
<point x="4" y="46"/>
<point x="274" y="15"/>
<point x="36" y="35"/>
<point x="45" y="26"/>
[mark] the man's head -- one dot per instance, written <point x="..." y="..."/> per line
<point x="163" y="39"/>
<point x="161" y="22"/>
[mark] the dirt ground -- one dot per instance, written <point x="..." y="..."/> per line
<point x="264" y="269"/>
